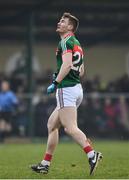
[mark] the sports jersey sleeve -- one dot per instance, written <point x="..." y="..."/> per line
<point x="67" y="46"/>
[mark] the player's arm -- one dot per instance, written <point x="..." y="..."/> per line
<point x="64" y="70"/>
<point x="65" y="67"/>
<point x="81" y="70"/>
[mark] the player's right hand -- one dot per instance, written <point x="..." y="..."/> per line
<point x="52" y="87"/>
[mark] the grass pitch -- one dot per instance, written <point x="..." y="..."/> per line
<point x="69" y="161"/>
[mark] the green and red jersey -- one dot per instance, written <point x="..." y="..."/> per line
<point x="70" y="44"/>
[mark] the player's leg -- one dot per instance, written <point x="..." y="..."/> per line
<point x="68" y="117"/>
<point x="53" y="136"/>
<point x="70" y="98"/>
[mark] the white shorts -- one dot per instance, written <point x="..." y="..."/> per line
<point x="69" y="96"/>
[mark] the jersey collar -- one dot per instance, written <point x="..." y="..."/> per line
<point x="68" y="35"/>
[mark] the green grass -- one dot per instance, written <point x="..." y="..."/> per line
<point x="69" y="161"/>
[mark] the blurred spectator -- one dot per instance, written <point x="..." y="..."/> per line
<point x="110" y="116"/>
<point x="86" y="120"/>
<point x="111" y="87"/>
<point x="124" y="109"/>
<point x="123" y="84"/>
<point x="102" y="117"/>
<point x="22" y="120"/>
<point x="99" y="116"/>
<point x="8" y="102"/>
<point x="96" y="83"/>
<point x="42" y="111"/>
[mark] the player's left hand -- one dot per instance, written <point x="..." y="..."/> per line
<point x="52" y="87"/>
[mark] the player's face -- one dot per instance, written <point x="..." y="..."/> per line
<point x="63" y="26"/>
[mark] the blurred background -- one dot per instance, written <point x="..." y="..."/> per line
<point x="28" y="43"/>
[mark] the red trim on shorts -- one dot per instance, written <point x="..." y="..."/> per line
<point x="60" y="95"/>
<point x="62" y="98"/>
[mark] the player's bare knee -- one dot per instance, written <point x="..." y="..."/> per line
<point x="49" y="126"/>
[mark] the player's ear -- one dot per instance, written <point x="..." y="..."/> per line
<point x="70" y="27"/>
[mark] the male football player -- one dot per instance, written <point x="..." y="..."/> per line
<point x="69" y="95"/>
